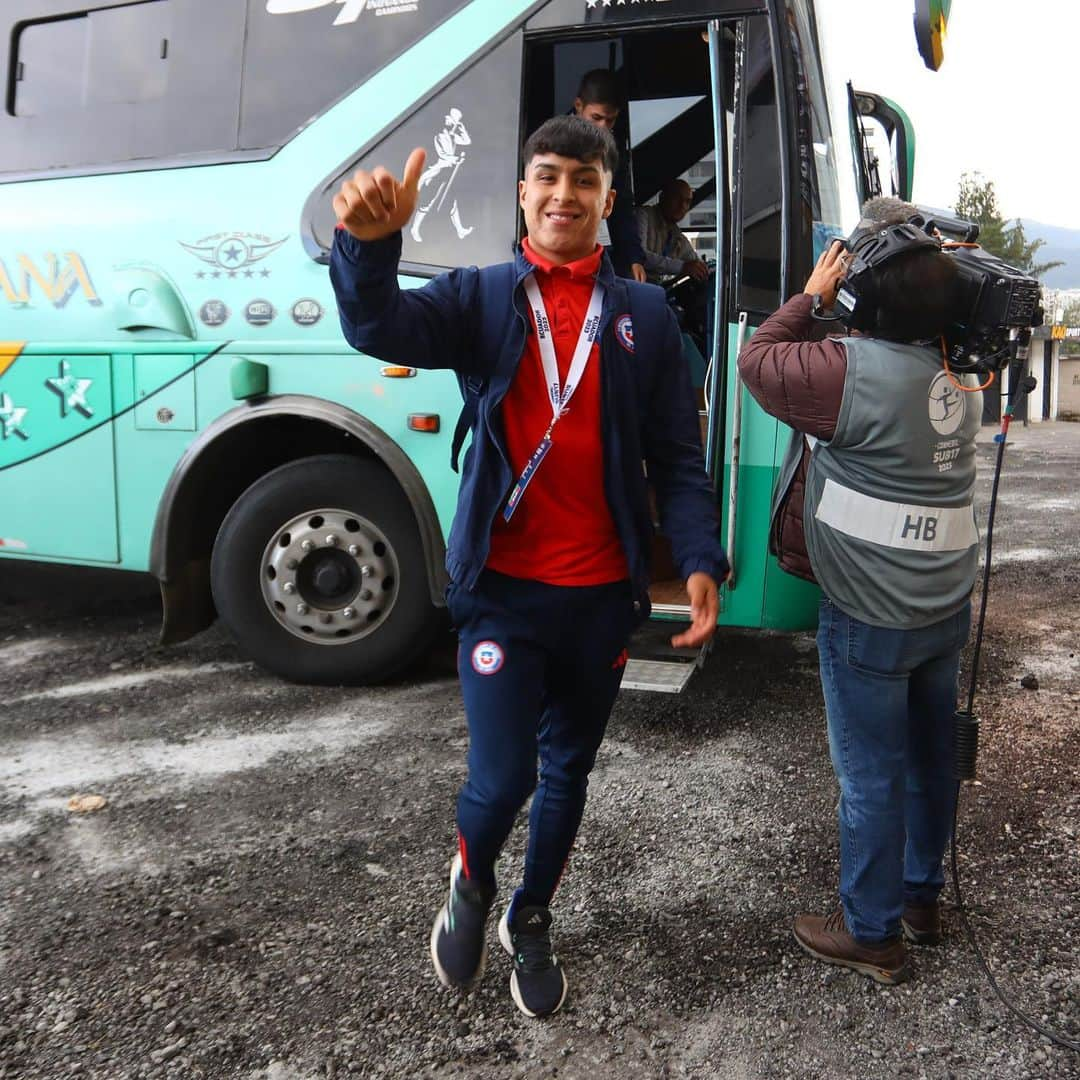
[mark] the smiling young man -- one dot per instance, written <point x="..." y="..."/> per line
<point x="572" y="380"/>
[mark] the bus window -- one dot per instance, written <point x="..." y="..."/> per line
<point x="107" y="56"/>
<point x="156" y="80"/>
<point x="467" y="206"/>
<point x="757" y="163"/>
<point x="50" y="66"/>
<point x="302" y="55"/>
<point x="117" y="84"/>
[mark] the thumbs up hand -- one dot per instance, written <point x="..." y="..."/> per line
<point x="376" y="204"/>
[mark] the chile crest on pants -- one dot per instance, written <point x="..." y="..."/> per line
<point x="487" y="657"/>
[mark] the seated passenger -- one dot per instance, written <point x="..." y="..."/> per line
<point x="668" y="253"/>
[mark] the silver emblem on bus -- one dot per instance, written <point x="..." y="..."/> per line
<point x="233" y="254"/>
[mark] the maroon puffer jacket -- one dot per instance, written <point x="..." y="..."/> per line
<point x="800" y="381"/>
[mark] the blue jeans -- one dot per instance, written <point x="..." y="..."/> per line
<point x="890" y="696"/>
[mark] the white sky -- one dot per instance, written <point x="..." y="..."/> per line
<point x="1004" y="102"/>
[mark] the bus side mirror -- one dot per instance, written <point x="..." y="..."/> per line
<point x="879" y="127"/>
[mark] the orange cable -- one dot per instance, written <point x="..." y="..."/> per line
<point x="959" y="385"/>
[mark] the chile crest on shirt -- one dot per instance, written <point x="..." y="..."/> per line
<point x="624" y="332"/>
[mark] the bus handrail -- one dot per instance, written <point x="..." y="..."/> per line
<point x="736" y="446"/>
<point x="717" y="361"/>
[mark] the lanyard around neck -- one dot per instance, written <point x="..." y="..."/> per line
<point x="560" y="393"/>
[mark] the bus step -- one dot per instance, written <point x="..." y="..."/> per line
<point x="659" y="676"/>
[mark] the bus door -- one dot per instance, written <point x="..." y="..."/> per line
<point x="704" y="106"/>
<point x="669" y="131"/>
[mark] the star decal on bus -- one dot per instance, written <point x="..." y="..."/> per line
<point x="232" y="252"/>
<point x="11" y="417"/>
<point x="71" y="391"/>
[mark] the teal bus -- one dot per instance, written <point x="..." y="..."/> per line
<point x="172" y="373"/>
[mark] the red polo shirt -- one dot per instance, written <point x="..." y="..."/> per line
<point x="562" y="532"/>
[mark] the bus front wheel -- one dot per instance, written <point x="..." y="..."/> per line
<point x="318" y="570"/>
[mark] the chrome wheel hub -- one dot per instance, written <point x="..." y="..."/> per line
<point x="329" y="576"/>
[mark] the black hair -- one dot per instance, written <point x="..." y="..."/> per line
<point x="600" y="87"/>
<point x="916" y="296"/>
<point x="572" y="137"/>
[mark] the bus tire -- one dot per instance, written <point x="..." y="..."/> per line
<point x="318" y="571"/>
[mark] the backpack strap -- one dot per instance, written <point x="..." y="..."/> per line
<point x="473" y="387"/>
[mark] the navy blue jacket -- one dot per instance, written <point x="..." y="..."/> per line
<point x="470" y="321"/>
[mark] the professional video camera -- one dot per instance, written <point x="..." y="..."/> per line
<point x="992" y="298"/>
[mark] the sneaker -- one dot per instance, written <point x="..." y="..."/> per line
<point x="921" y="923"/>
<point x="537" y="983"/>
<point x="826" y="937"/>
<point x="458" y="946"/>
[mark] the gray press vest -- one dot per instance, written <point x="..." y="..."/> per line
<point x="890" y="527"/>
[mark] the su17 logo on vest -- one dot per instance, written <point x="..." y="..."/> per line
<point x="947" y="406"/>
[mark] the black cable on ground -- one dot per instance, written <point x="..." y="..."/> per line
<point x="1053" y="1036"/>
<point x="968" y="729"/>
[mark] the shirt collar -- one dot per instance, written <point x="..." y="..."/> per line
<point x="585" y="267"/>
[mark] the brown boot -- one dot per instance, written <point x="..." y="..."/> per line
<point x="921" y="923"/>
<point x="826" y="938"/>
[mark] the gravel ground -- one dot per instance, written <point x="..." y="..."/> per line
<point x="255" y="899"/>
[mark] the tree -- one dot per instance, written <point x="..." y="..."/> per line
<point x="977" y="202"/>
<point x="1072" y="313"/>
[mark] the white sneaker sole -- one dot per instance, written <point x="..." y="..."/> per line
<point x="504" y="930"/>
<point x="444" y="977"/>
<point x="515" y="992"/>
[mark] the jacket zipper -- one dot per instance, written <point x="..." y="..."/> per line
<point x="485" y="417"/>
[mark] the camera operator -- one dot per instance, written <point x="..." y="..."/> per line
<point x="874" y="502"/>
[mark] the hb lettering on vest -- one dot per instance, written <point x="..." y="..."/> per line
<point x="921" y="528"/>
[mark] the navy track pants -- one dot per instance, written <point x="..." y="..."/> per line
<point x="540" y="668"/>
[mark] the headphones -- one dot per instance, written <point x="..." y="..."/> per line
<point x="870" y="246"/>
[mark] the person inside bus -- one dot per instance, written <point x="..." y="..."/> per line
<point x="668" y="252"/>
<point x="874" y="503"/>
<point x="548" y="550"/>
<point x="599" y="101"/>
<point x="669" y="255"/>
